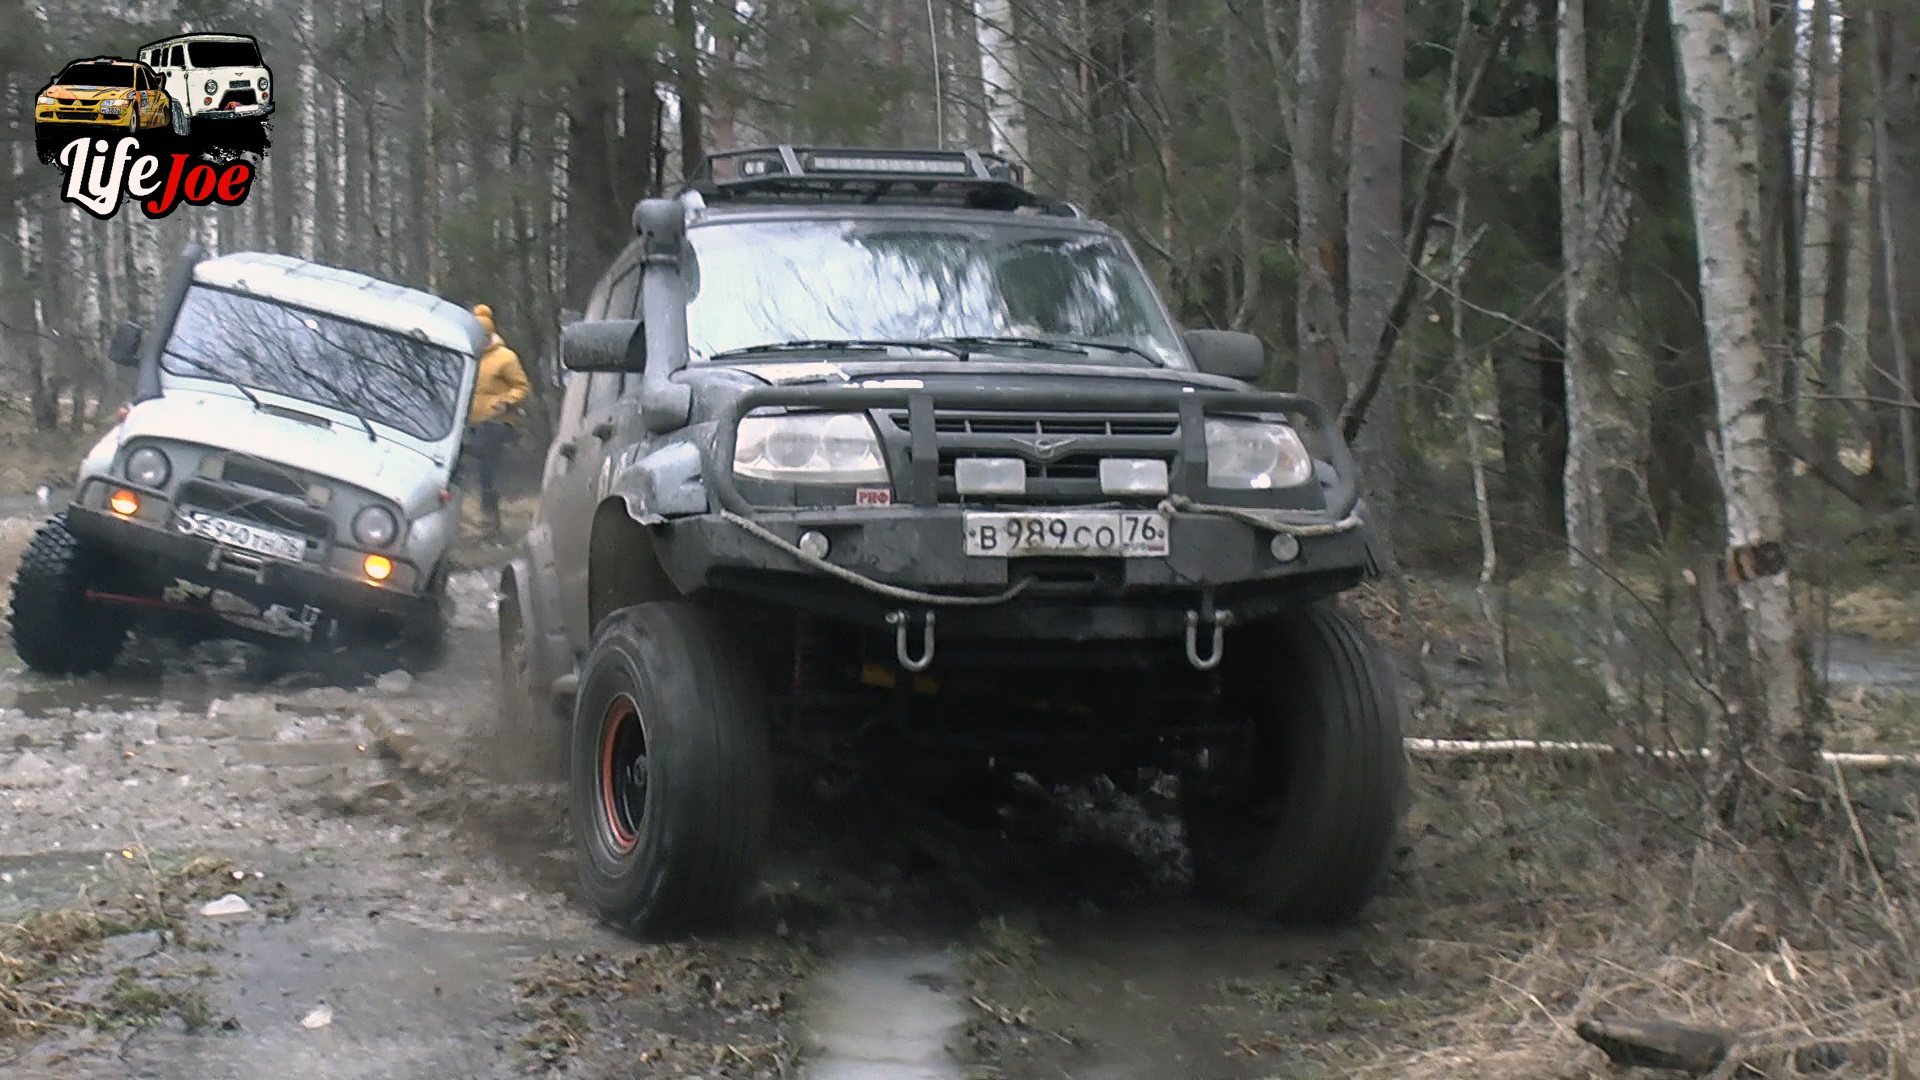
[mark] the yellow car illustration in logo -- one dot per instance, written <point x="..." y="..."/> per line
<point x="102" y="92"/>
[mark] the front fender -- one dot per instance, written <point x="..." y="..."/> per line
<point x="535" y="579"/>
<point x="664" y="483"/>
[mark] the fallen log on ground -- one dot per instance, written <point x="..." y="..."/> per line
<point x="1488" y="748"/>
<point x="1659" y="1044"/>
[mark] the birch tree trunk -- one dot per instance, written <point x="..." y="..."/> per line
<point x="1317" y="71"/>
<point x="306" y="184"/>
<point x="1717" y="44"/>
<point x="1001" y="87"/>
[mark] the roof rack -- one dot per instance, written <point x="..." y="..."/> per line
<point x="788" y="173"/>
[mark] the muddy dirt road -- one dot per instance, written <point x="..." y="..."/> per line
<point x="409" y="910"/>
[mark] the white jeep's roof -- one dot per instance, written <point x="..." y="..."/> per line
<point x="346" y="294"/>
<point x="197" y="37"/>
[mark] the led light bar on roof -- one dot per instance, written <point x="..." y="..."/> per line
<point x="920" y="166"/>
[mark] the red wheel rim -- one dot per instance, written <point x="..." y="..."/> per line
<point x="623" y="773"/>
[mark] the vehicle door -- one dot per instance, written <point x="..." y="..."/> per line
<point x="152" y="102"/>
<point x="575" y="490"/>
<point x="177" y="86"/>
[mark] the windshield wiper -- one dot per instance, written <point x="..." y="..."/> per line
<point x="1118" y="346"/>
<point x="1020" y="342"/>
<point x="213" y="373"/>
<point x="945" y="346"/>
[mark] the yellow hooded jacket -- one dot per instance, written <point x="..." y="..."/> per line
<point x="502" y="383"/>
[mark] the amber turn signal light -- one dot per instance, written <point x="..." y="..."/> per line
<point x="125" y="503"/>
<point x="378" y="567"/>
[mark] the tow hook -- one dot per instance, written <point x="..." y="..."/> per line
<point x="1219" y="620"/>
<point x="899" y="621"/>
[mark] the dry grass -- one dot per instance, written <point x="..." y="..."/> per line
<point x="1880" y="611"/>
<point x="1537" y="899"/>
<point x="48" y="959"/>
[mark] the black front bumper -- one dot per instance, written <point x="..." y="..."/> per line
<point x="160" y="555"/>
<point x="1212" y="561"/>
<point x="1215" y="561"/>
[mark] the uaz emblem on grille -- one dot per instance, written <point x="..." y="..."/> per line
<point x="1046" y="448"/>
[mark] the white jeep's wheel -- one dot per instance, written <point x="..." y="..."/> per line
<point x="671" y="770"/>
<point x="1306" y="829"/>
<point x="182" y="123"/>
<point x="57" y="630"/>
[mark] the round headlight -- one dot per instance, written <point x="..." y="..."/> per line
<point x="211" y="86"/>
<point x="375" y="526"/>
<point x="149" y="467"/>
<point x="262" y="84"/>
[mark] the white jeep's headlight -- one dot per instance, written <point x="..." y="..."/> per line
<point x="813" y="448"/>
<point x="1247" y="455"/>
<point x="149" y="467"/>
<point x="211" y="86"/>
<point x="261" y="84"/>
<point x="375" y="527"/>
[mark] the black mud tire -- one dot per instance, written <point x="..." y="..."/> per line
<point x="56" y="629"/>
<point x="1307" y="832"/>
<point x="679" y="853"/>
<point x="182" y="122"/>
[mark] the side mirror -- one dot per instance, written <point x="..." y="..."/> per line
<point x="603" y="345"/>
<point x="124" y="349"/>
<point x="1227" y="352"/>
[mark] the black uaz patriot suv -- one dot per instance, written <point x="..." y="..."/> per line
<point x="879" y="441"/>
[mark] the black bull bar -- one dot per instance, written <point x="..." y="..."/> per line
<point x="1191" y="406"/>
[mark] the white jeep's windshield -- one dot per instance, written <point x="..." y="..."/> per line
<point x="1074" y="296"/>
<point x="389" y="378"/>
<point x="211" y="54"/>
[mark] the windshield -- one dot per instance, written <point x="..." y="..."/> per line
<point x="205" y="54"/>
<point x="770" y="282"/>
<point x="96" y="75"/>
<point x="385" y="377"/>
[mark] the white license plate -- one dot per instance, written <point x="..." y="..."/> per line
<point x="254" y="538"/>
<point x="1131" y="534"/>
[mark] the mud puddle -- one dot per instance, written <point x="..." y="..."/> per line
<point x="883" y="1012"/>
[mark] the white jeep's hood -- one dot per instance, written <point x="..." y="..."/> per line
<point x="342" y="452"/>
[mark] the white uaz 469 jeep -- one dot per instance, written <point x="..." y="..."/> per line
<point x="212" y="77"/>
<point x="284" y="470"/>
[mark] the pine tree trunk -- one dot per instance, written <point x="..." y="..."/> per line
<point x="1375" y="261"/>
<point x="1317" y="73"/>
<point x="1246" y="139"/>
<point x="306" y="184"/>
<point x="1717" y="46"/>
<point x="692" y="88"/>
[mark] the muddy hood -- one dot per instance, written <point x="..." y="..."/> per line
<point x="342" y="452"/>
<point x="981" y="373"/>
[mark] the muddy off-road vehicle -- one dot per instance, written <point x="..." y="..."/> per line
<point x="281" y="474"/>
<point x="881" y="442"/>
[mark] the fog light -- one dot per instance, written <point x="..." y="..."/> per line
<point x="814" y="544"/>
<point x="125" y="503"/>
<point x="990" y="476"/>
<point x="378" y="567"/>
<point x="1285" y="547"/>
<point x="1133" y="476"/>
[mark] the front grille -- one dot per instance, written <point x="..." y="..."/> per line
<point x="1062" y="450"/>
<point x="271" y="510"/>
<point x="955" y="422"/>
<point x="75" y="114"/>
<point x="263" y="478"/>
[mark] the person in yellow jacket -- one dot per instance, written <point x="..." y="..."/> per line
<point x="493" y="419"/>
